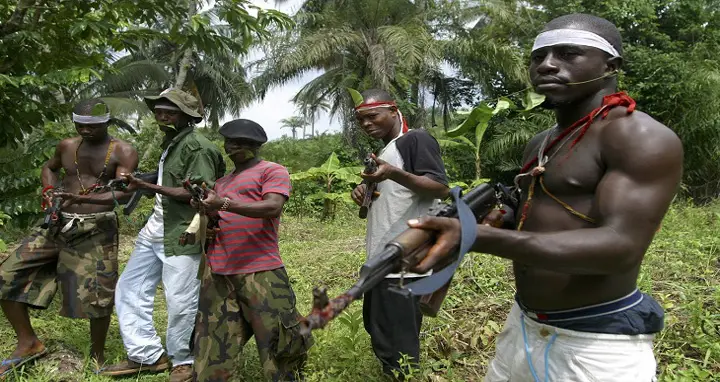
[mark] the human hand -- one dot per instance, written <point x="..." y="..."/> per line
<point x="358" y="194"/>
<point x="68" y="198"/>
<point x="495" y="218"/>
<point x="133" y="183"/>
<point x="212" y="201"/>
<point x="384" y="171"/>
<point x="447" y="233"/>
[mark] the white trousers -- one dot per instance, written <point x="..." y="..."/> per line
<point x="567" y="355"/>
<point x="135" y="296"/>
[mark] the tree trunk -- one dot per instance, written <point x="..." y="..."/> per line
<point x="312" y="128"/>
<point x="185" y="65"/>
<point x="186" y="61"/>
<point x="477" y="165"/>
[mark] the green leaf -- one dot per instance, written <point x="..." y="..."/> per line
<point x="532" y="100"/>
<point x="356" y="97"/>
<point x="478" y="182"/>
<point x="3" y="246"/>
<point x="349" y="174"/>
<point x="502" y="104"/>
<point x="480" y="130"/>
<point x="99" y="110"/>
<point x="331" y="164"/>
<point x="478" y="114"/>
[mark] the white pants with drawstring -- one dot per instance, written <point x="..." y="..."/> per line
<point x="542" y="353"/>
<point x="135" y="296"/>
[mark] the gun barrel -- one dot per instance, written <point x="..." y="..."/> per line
<point x="404" y="250"/>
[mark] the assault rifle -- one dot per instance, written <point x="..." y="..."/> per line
<point x="401" y="254"/>
<point x="150" y="177"/>
<point x="370" y="168"/>
<point x="52" y="213"/>
<point x="197" y="193"/>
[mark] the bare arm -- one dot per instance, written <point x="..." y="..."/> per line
<point x="269" y="207"/>
<point x="49" y="172"/>
<point x="644" y="169"/>
<point x="421" y="185"/>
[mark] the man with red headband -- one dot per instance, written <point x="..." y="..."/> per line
<point x="410" y="178"/>
<point x="593" y="193"/>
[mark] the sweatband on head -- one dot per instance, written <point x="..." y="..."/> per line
<point x="168" y="107"/>
<point x="90" y="119"/>
<point x="574" y="37"/>
<point x="391" y="104"/>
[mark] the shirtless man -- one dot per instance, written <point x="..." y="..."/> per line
<point x="80" y="251"/>
<point x="586" y="217"/>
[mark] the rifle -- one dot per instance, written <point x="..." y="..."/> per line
<point x="370" y="168"/>
<point x="197" y="193"/>
<point x="52" y="213"/>
<point x="401" y="254"/>
<point x="150" y="177"/>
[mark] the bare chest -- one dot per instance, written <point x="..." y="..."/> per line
<point x="90" y="161"/>
<point x="571" y="168"/>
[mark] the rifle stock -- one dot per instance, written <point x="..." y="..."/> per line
<point x="401" y="254"/>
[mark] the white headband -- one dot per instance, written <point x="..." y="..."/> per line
<point x="574" y="37"/>
<point x="168" y="107"/>
<point x="90" y="119"/>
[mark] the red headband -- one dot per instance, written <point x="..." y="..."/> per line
<point x="390" y="104"/>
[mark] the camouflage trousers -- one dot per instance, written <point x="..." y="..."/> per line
<point x="82" y="260"/>
<point x="232" y="309"/>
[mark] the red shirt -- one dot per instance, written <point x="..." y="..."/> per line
<point x="244" y="244"/>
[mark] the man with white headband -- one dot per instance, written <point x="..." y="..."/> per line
<point x="158" y="256"/>
<point x="79" y="252"/>
<point x="592" y="194"/>
<point x="410" y="178"/>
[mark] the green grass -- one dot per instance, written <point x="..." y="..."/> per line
<point x="681" y="271"/>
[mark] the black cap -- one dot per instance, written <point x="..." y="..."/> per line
<point x="243" y="128"/>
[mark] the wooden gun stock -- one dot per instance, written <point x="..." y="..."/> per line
<point x="431" y="303"/>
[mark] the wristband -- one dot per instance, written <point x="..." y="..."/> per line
<point x="226" y="204"/>
<point x="46" y="189"/>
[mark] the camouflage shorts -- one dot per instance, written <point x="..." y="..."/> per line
<point x="83" y="260"/>
<point x="232" y="309"/>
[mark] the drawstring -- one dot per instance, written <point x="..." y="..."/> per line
<point x="527" y="352"/>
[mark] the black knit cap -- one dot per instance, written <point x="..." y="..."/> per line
<point x="245" y="129"/>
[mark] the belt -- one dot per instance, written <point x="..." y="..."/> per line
<point x="72" y="218"/>
<point x="602" y="309"/>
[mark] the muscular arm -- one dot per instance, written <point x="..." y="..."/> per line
<point x="49" y="172"/>
<point x="127" y="163"/>
<point x="644" y="169"/>
<point x="270" y="207"/>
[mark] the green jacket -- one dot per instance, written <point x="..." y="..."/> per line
<point x="190" y="155"/>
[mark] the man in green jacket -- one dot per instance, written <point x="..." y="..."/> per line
<point x="157" y="255"/>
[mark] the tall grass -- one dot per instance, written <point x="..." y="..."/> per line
<point x="681" y="271"/>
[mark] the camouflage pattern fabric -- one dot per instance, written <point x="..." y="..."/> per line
<point x="232" y="309"/>
<point x="82" y="260"/>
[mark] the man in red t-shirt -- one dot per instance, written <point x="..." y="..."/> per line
<point x="245" y="290"/>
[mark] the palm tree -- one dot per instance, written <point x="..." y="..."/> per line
<point x="312" y="112"/>
<point x="294" y="123"/>
<point x="355" y="43"/>
<point x="201" y="54"/>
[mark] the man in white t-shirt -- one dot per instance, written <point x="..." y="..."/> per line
<point x="410" y="178"/>
<point x="158" y="256"/>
